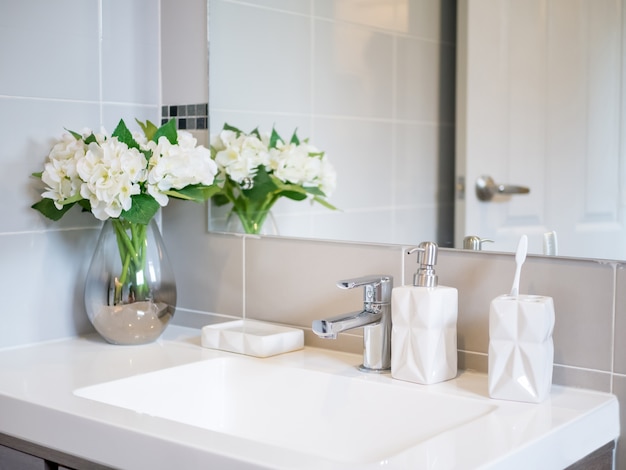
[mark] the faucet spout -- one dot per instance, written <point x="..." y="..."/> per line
<point x="328" y="328"/>
<point x="375" y="318"/>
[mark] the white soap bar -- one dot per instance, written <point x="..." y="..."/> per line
<point x="252" y="337"/>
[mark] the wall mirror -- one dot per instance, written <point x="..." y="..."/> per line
<point x="377" y="86"/>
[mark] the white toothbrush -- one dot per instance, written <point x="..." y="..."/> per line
<point x="520" y="257"/>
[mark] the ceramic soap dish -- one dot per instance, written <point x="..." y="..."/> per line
<point x="252" y="337"/>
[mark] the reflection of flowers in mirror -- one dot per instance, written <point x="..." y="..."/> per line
<point x="256" y="169"/>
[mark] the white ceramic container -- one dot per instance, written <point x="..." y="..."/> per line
<point x="521" y="349"/>
<point x="423" y="336"/>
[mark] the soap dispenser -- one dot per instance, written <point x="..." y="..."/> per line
<point x="424" y="317"/>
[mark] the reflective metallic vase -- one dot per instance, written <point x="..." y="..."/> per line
<point x="130" y="291"/>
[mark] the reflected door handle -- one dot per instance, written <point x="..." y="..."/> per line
<point x="487" y="188"/>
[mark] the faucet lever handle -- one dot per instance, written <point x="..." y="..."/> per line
<point x="377" y="287"/>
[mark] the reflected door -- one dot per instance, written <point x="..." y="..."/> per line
<point x="539" y="104"/>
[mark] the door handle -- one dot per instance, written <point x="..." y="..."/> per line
<point x="487" y="188"/>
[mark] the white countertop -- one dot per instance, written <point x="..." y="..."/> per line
<point x="37" y="404"/>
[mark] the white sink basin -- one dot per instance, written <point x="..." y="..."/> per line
<point x="174" y="404"/>
<point x="311" y="409"/>
<point x="351" y="419"/>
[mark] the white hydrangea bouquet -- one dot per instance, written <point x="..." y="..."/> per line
<point x="126" y="177"/>
<point x="256" y="169"/>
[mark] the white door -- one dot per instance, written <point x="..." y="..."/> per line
<point x="540" y="105"/>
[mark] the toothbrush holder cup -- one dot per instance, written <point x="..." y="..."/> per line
<point x="521" y="349"/>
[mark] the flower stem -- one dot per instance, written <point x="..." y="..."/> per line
<point x="132" y="246"/>
<point x="253" y="216"/>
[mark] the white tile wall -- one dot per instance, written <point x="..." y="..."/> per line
<point x="259" y="60"/>
<point x="352" y="76"/>
<point x="130" y="52"/>
<point x="50" y="49"/>
<point x="60" y="69"/>
<point x="184" y="51"/>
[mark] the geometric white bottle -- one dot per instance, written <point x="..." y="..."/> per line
<point x="424" y="319"/>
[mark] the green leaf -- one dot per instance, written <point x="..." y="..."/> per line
<point x="37" y="175"/>
<point x="295" y="195"/>
<point x="220" y="200"/>
<point x="263" y="185"/>
<point x="255" y="132"/>
<point x="85" y="205"/>
<point x="90" y="138"/>
<point x="46" y="207"/>
<point x="197" y="193"/>
<point x="281" y="185"/>
<point x="315" y="191"/>
<point x="274" y="139"/>
<point x="168" y="130"/>
<point x="324" y="203"/>
<point x="124" y="135"/>
<point x="143" y="208"/>
<point x="76" y="135"/>
<point x="299" y="193"/>
<point x="210" y="191"/>
<point x="228" y="127"/>
<point x="148" y="128"/>
<point x="71" y="200"/>
<point x="294" y="138"/>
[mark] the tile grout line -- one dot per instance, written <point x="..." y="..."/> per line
<point x="243" y="273"/>
<point x="100" y="62"/>
<point x="613" y="324"/>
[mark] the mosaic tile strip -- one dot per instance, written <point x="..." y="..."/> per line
<point x="188" y="116"/>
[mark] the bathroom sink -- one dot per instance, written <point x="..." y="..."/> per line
<point x="175" y="404"/>
<point x="351" y="418"/>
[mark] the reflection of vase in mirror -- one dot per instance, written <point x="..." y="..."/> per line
<point x="256" y="223"/>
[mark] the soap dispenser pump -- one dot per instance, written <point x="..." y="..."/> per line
<point x="424" y="318"/>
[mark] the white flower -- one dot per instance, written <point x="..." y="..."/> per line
<point x="111" y="173"/>
<point x="59" y="173"/>
<point x="178" y="166"/>
<point x="304" y="165"/>
<point x="240" y="157"/>
<point x="292" y="164"/>
<point x="141" y="139"/>
<point x="222" y="140"/>
<point x="327" y="178"/>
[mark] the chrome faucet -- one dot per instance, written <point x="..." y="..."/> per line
<point x="375" y="318"/>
